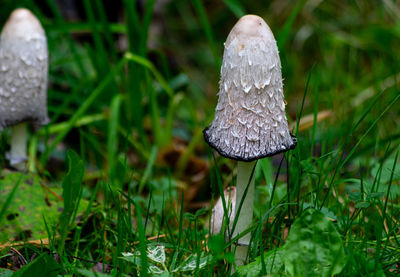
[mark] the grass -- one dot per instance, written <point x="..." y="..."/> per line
<point x="124" y="148"/>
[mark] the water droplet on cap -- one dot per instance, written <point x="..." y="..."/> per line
<point x="247" y="88"/>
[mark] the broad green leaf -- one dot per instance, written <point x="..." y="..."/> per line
<point x="273" y="261"/>
<point x="157" y="259"/>
<point x="387" y="168"/>
<point x="362" y="205"/>
<point x="324" y="210"/>
<point x="5" y="203"/>
<point x="360" y="265"/>
<point x="88" y="273"/>
<point x="33" y="200"/>
<point x="131" y="258"/>
<point x="6" y="272"/>
<point x="156" y="253"/>
<point x="216" y="245"/>
<point x="44" y="265"/>
<point x="155" y="270"/>
<point x="23" y="215"/>
<point x="127" y="254"/>
<point x="374" y="195"/>
<point x="314" y="247"/>
<point x="190" y="263"/>
<point x="72" y="186"/>
<point x="163" y="274"/>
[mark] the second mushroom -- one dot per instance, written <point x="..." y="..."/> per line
<point x="23" y="80"/>
<point x="250" y="121"/>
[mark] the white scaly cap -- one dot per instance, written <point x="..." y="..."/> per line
<point x="250" y="121"/>
<point x="23" y="70"/>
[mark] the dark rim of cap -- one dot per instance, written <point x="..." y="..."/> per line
<point x="240" y="158"/>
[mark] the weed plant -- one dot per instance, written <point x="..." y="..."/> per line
<point x="132" y="84"/>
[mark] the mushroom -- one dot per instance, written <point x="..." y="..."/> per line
<point x="217" y="215"/>
<point x="23" y="80"/>
<point x="250" y="121"/>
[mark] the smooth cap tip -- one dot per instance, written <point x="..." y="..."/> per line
<point x="21" y="14"/>
<point x="251" y="26"/>
<point x="22" y="23"/>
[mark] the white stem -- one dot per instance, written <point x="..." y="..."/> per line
<point x="17" y="155"/>
<point x="245" y="216"/>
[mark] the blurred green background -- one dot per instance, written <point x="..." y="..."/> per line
<point x="132" y="84"/>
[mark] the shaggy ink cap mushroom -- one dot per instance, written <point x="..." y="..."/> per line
<point x="23" y="70"/>
<point x="23" y="80"/>
<point x="250" y="121"/>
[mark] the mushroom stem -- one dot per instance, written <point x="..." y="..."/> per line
<point x="17" y="155"/>
<point x="245" y="216"/>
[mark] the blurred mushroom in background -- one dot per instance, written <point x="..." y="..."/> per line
<point x="23" y="80"/>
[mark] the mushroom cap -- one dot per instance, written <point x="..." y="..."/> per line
<point x="23" y="70"/>
<point x="250" y="121"/>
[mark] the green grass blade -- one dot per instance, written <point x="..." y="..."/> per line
<point x="72" y="186"/>
<point x="83" y="108"/>
<point x="148" y="169"/>
<point x="9" y="198"/>
<point x="235" y="7"/>
<point x="112" y="138"/>
<point x="106" y="27"/>
<point x="148" y="13"/>
<point x="101" y="58"/>
<point x="60" y="22"/>
<point x="205" y="24"/>
<point x="142" y="241"/>
<point x="147" y="64"/>
<point x="342" y="163"/>
<point x="284" y="34"/>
